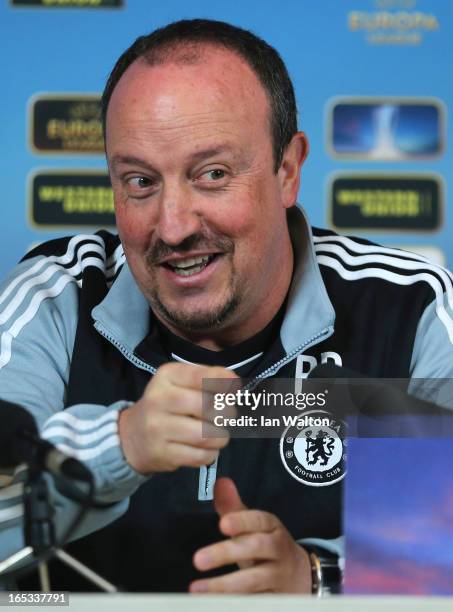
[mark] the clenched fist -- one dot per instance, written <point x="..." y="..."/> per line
<point x="167" y="428"/>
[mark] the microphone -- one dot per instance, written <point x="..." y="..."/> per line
<point x="20" y="442"/>
<point x="382" y="407"/>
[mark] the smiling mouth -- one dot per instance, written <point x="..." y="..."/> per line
<point x="191" y="265"/>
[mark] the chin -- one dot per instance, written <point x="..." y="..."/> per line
<point x="197" y="320"/>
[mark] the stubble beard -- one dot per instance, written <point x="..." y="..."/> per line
<point x="197" y="321"/>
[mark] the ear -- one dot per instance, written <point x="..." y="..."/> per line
<point x="289" y="171"/>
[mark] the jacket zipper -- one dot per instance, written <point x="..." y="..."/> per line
<point x="289" y="357"/>
<point x="123" y="350"/>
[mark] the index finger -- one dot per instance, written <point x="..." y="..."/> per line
<point x="197" y="377"/>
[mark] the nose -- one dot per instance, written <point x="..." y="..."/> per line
<point x="178" y="217"/>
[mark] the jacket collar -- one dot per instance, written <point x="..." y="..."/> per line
<point x="309" y="309"/>
<point x="125" y="315"/>
<point x="124" y="312"/>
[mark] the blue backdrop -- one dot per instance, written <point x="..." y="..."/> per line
<point x="333" y="48"/>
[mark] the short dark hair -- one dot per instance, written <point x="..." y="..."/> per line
<point x="263" y="59"/>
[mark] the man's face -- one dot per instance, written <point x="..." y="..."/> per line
<point x="199" y="209"/>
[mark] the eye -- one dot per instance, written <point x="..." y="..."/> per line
<point x="139" y="186"/>
<point x="140" y="182"/>
<point x="215" y="175"/>
<point x="213" y="178"/>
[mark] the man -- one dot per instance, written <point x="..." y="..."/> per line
<point x="222" y="278"/>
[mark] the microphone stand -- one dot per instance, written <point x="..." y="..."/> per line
<point x="40" y="540"/>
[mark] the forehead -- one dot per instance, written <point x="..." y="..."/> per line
<point x="212" y="85"/>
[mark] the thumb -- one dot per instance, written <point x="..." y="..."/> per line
<point x="226" y="497"/>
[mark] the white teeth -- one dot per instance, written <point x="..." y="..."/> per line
<point x="188" y="272"/>
<point x="191" y="261"/>
<point x="191" y="265"/>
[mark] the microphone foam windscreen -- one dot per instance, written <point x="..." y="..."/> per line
<point x="13" y="420"/>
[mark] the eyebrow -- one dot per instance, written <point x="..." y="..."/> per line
<point x="211" y="152"/>
<point x="129" y="159"/>
<point x="137" y="161"/>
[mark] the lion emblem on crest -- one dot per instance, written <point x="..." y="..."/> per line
<point x="321" y="447"/>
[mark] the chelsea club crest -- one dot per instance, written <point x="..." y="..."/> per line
<point x="313" y="450"/>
